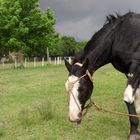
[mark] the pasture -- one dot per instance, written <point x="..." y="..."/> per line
<point x="33" y="106"/>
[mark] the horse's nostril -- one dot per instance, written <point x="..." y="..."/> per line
<point x="80" y="115"/>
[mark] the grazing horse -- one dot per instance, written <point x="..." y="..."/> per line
<point x="118" y="43"/>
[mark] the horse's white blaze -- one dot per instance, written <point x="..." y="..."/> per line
<point x="137" y="101"/>
<point x="74" y="103"/>
<point x="128" y="94"/>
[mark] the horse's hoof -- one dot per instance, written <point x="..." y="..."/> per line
<point x="134" y="137"/>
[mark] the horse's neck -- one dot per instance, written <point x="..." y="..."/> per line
<point x="99" y="56"/>
<point x="98" y="49"/>
<point x="101" y="52"/>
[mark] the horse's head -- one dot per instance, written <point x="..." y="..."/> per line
<point x="79" y="87"/>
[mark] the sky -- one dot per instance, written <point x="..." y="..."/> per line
<point x="82" y="18"/>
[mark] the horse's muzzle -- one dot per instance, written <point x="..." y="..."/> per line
<point x="77" y="122"/>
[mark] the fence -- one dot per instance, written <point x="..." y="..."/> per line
<point x="35" y="62"/>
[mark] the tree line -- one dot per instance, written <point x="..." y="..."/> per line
<point x="25" y="27"/>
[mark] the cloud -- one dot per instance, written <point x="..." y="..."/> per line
<point x="81" y="18"/>
<point x="81" y="29"/>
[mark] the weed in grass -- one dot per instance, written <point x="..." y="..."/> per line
<point x="25" y="118"/>
<point x="46" y="110"/>
<point x="2" y="132"/>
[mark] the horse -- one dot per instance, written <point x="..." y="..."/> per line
<point x="118" y="43"/>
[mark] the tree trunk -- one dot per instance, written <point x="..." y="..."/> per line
<point x="48" y="54"/>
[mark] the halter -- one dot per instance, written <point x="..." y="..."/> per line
<point x="71" y="85"/>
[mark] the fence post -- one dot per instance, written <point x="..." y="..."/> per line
<point x="34" y="61"/>
<point x="55" y="61"/>
<point x="42" y="61"/>
<point x="15" y="64"/>
<point x="25" y="62"/>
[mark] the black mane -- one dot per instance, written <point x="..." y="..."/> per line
<point x="111" y="18"/>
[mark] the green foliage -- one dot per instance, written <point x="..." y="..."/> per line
<point x="56" y="46"/>
<point x="25" y="27"/>
<point x="69" y="45"/>
<point x="66" y="46"/>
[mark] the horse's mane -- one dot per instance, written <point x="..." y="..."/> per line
<point x="112" y="18"/>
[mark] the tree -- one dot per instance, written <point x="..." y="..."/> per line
<point x="80" y="45"/>
<point x="65" y="46"/>
<point x="71" y="46"/>
<point x="25" y="27"/>
<point x="3" y="22"/>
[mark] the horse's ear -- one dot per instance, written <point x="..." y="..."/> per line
<point x="86" y="63"/>
<point x="68" y="65"/>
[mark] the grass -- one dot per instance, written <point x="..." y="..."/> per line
<point x="45" y="110"/>
<point x="33" y="106"/>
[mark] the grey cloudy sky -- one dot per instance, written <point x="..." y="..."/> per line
<point x="82" y="18"/>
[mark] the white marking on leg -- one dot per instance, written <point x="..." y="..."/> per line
<point x="137" y="101"/>
<point x="128" y="94"/>
<point x="74" y="103"/>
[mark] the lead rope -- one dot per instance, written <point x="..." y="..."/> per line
<point x="99" y="108"/>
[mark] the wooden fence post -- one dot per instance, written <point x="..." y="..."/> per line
<point x="15" y="63"/>
<point x="25" y="62"/>
<point x="42" y="61"/>
<point x="55" y="61"/>
<point x="34" y="61"/>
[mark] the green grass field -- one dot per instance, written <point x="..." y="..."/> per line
<point x="33" y="106"/>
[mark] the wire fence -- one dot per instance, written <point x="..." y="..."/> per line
<point x="33" y="62"/>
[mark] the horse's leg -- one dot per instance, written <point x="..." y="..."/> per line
<point x="134" y="122"/>
<point x="129" y="98"/>
<point x="132" y="83"/>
